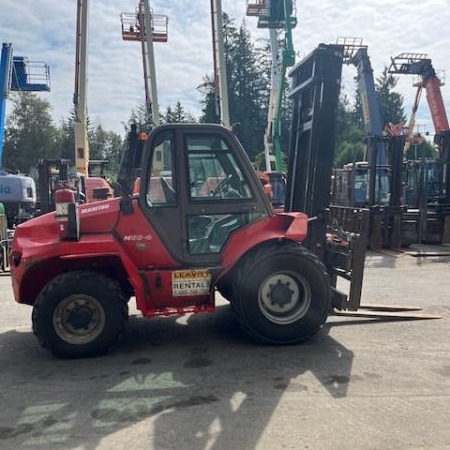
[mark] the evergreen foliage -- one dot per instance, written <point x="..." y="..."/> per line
<point x="391" y="102"/>
<point x="421" y="149"/>
<point x="177" y="115"/>
<point x="29" y="133"/>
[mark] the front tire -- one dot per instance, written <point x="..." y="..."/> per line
<point x="80" y="314"/>
<point x="282" y="294"/>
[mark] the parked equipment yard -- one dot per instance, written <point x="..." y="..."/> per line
<point x="197" y="382"/>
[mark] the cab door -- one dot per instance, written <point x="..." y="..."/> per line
<point x="197" y="189"/>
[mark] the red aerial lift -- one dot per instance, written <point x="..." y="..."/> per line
<point x="419" y="64"/>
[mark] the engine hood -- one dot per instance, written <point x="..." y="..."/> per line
<point x="96" y="217"/>
<point x="42" y="228"/>
<point x="99" y="217"/>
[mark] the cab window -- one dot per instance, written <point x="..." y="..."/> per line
<point x="213" y="171"/>
<point x="161" y="188"/>
<point x="214" y="177"/>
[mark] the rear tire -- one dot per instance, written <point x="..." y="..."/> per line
<point x="282" y="294"/>
<point x="79" y="314"/>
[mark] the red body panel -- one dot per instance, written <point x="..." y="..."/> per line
<point x="140" y="241"/>
<point x="128" y="248"/>
<point x="42" y="255"/>
<point x="98" y="217"/>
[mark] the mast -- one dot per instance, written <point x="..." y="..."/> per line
<point x="220" y="67"/>
<point x="145" y="27"/>
<point x="151" y="80"/>
<point x="80" y="91"/>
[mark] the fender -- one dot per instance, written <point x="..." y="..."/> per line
<point x="281" y="226"/>
<point x="33" y="266"/>
<point x="116" y="251"/>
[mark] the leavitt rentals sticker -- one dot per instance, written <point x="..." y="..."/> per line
<point x="190" y="282"/>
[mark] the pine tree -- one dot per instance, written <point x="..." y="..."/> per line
<point x="391" y="103"/>
<point x="349" y="134"/>
<point x="139" y="117"/>
<point x="65" y="138"/>
<point x="107" y="146"/>
<point x="177" y="115"/>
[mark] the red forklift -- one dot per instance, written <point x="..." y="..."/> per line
<point x="201" y="223"/>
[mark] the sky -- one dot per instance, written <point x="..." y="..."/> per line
<point x="44" y="30"/>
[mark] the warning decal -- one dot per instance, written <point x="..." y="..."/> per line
<point x="190" y="282"/>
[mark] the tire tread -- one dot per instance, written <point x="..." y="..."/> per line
<point x="242" y="277"/>
<point x="78" y="277"/>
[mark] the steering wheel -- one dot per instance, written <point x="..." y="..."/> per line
<point x="221" y="186"/>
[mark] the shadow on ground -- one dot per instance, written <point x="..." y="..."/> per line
<point x="198" y="381"/>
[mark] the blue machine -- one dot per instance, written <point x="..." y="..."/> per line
<point x="356" y="54"/>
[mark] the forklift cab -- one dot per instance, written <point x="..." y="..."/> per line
<point x="197" y="188"/>
<point x="425" y="183"/>
<point x="351" y="186"/>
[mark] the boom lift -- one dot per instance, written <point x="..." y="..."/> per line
<point x="279" y="18"/>
<point x="220" y="65"/>
<point x="134" y="28"/>
<point x="374" y="183"/>
<point x="55" y="173"/>
<point x="409" y="138"/>
<point x="427" y="182"/>
<point x="207" y="227"/>
<point x="80" y="126"/>
<point x="95" y="188"/>
<point x="276" y="15"/>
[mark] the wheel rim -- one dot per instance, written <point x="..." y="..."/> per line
<point x="284" y="297"/>
<point x="79" y="319"/>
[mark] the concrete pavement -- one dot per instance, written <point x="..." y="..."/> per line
<point x="197" y="382"/>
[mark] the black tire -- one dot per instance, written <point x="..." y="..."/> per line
<point x="282" y="294"/>
<point x="79" y="314"/>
